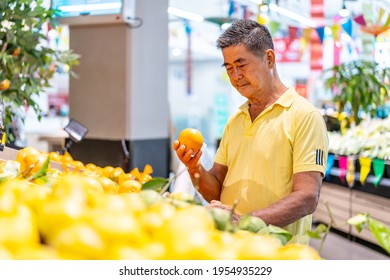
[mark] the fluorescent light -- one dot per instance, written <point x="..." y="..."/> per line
<point x="90" y="7"/>
<point x="287" y="13"/>
<point x="185" y="14"/>
<point x="292" y="15"/>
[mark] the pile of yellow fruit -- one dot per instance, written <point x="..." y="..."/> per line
<point x="89" y="212"/>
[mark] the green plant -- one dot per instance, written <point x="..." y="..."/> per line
<point x="25" y="60"/>
<point x="359" y="221"/>
<point x="358" y="86"/>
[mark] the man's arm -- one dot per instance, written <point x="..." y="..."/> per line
<point x="209" y="183"/>
<point x="301" y="202"/>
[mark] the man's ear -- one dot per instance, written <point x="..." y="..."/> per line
<point x="270" y="56"/>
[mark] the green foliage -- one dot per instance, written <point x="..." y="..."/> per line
<point x="359" y="221"/>
<point x="24" y="59"/>
<point x="378" y="229"/>
<point x="358" y="86"/>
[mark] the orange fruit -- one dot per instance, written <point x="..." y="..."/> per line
<point x="5" y="84"/>
<point x="116" y="173"/>
<point x="107" y="170"/>
<point x="54" y="156"/>
<point x="125" y="177"/>
<point x="16" y="52"/>
<point x="109" y="186"/>
<point x="130" y="186"/>
<point x="191" y="138"/>
<point x="92" y="185"/>
<point x="77" y="165"/>
<point x="30" y="159"/>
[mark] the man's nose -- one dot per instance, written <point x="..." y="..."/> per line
<point x="236" y="73"/>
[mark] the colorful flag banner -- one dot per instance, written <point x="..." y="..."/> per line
<point x="350" y="176"/>
<point x="273" y="26"/>
<point x="262" y="20"/>
<point x="381" y="13"/>
<point x="360" y="20"/>
<point x="232" y="8"/>
<point x="379" y="169"/>
<point x="321" y="33"/>
<point x="343" y="165"/>
<point x="387" y="21"/>
<point x="335" y="32"/>
<point x="365" y="168"/>
<point x="306" y="33"/>
<point x="347" y="27"/>
<point x="292" y="32"/>
<point x="330" y="163"/>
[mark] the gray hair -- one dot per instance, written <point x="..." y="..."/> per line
<point x="249" y="33"/>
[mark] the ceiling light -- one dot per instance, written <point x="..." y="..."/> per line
<point x="184" y="14"/>
<point x="344" y="12"/>
<point x="292" y="15"/>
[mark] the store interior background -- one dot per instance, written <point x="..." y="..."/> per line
<point x="199" y="93"/>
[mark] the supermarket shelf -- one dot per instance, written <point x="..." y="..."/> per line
<point x="347" y="202"/>
<point x="339" y="246"/>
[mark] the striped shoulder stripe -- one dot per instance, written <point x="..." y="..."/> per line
<point x="319" y="157"/>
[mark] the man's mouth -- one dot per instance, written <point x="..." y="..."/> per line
<point x="241" y="85"/>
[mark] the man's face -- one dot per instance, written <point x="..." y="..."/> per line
<point x="248" y="73"/>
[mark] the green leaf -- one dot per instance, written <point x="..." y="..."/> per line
<point x="283" y="235"/>
<point x="42" y="171"/>
<point x="359" y="221"/>
<point x="320" y="229"/>
<point x="381" y="233"/>
<point x="251" y="223"/>
<point x="156" y="184"/>
<point x="222" y="219"/>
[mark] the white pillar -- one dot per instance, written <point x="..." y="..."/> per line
<point x="121" y="92"/>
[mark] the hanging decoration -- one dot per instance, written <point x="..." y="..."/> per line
<point x="379" y="169"/>
<point x="306" y="34"/>
<point x="374" y="25"/>
<point x="343" y="165"/>
<point x="316" y="53"/>
<point x="365" y="168"/>
<point x="263" y="20"/>
<point x="335" y="29"/>
<point x="350" y="176"/>
<point x="321" y="33"/>
<point x="273" y="26"/>
<point x="330" y="163"/>
<point x="232" y="8"/>
<point x="188" y="58"/>
<point x="360" y="20"/>
<point x="347" y="27"/>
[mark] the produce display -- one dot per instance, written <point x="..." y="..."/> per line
<point x="371" y="138"/>
<point x="83" y="211"/>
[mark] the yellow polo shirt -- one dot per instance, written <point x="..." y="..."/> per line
<point x="288" y="137"/>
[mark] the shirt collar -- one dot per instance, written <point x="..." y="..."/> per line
<point x="285" y="100"/>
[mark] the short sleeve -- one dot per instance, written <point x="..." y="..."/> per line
<point x="310" y="150"/>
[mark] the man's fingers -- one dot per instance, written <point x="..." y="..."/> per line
<point x="175" y="144"/>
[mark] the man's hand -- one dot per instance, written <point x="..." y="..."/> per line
<point x="218" y="204"/>
<point x="191" y="160"/>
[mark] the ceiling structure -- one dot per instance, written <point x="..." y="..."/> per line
<point x="205" y="32"/>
